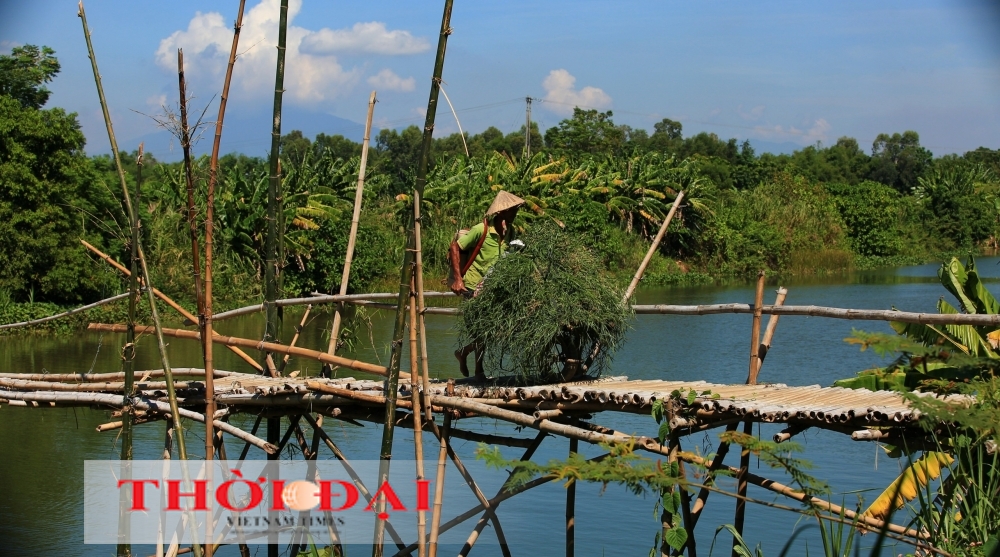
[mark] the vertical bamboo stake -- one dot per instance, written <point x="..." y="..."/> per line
<point x="130" y="209"/>
<point x="272" y="328"/>
<point x="741" y="477"/>
<point x="432" y="544"/>
<point x="189" y="181"/>
<point x="574" y="447"/>
<point x="128" y="355"/>
<point x="418" y="445"/>
<point x="406" y="271"/>
<point x="355" y="219"/>
<point x="758" y="306"/>
<point x="419" y="270"/>
<point x="652" y="249"/>
<point x="273" y="325"/>
<point x="295" y="337"/>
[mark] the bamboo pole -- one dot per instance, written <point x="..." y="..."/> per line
<point x="58" y="377"/>
<point x="755" y="331"/>
<point x="128" y="387"/>
<point x="406" y="271"/>
<point x="73" y="311"/>
<point x="432" y="543"/>
<point x="350" y="472"/>
<point x="258" y="345"/>
<point x="822" y="311"/>
<point x="317" y="299"/>
<point x="295" y="337"/>
<point x="652" y="249"/>
<point x="181" y="449"/>
<point x="418" y="446"/>
<point x="189" y="182"/>
<point x="772" y="324"/>
<point x="177" y="307"/>
<point x="355" y="220"/>
<point x="574" y="447"/>
<point x="741" y="480"/>
<point x="703" y="493"/>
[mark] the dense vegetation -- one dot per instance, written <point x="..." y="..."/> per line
<point x="820" y="209"/>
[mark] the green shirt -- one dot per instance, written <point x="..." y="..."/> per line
<point x="493" y="246"/>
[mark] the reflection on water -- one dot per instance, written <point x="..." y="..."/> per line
<point x="42" y="465"/>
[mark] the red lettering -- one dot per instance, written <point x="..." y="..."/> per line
<point x="423" y="495"/>
<point x="277" y="501"/>
<point x="385" y="490"/>
<point x="255" y="492"/>
<point x="326" y="494"/>
<point x="200" y="495"/>
<point x="138" y="495"/>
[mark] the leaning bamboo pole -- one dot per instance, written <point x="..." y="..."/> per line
<point x="652" y="249"/>
<point x="177" y="307"/>
<point x="432" y="542"/>
<point x="406" y="271"/>
<point x="822" y="311"/>
<point x="355" y="220"/>
<point x="130" y="209"/>
<point x="255" y="344"/>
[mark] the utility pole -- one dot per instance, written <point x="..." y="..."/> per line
<point x="527" y="127"/>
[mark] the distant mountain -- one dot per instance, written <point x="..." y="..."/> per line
<point x="786" y="148"/>
<point x="249" y="134"/>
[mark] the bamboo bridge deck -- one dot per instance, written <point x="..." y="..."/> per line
<point x="830" y="407"/>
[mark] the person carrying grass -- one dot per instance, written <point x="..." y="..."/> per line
<point x="472" y="254"/>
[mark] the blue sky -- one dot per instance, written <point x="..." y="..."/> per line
<point x="779" y="72"/>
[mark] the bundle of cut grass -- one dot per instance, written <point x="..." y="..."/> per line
<point x="543" y="310"/>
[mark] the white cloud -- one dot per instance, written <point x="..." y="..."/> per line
<point x="387" y="80"/>
<point x="312" y="75"/>
<point x="560" y="92"/>
<point x="370" y="37"/>
<point x="819" y="131"/>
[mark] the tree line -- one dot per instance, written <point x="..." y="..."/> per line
<point x="819" y="209"/>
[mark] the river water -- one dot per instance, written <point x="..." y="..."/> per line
<point x="41" y="467"/>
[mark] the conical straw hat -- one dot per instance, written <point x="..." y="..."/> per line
<point x="504" y="201"/>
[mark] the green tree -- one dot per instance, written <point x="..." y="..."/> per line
<point x="899" y="160"/>
<point x="339" y="146"/>
<point x="666" y="136"/>
<point x="24" y="73"/>
<point x="588" y="131"/>
<point x="294" y="147"/>
<point x="48" y="194"/>
<point x="398" y="153"/>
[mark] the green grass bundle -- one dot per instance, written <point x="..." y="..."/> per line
<point x="543" y="305"/>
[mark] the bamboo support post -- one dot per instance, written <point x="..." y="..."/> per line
<point x="789" y="432"/>
<point x="432" y="543"/>
<point x="703" y="493"/>
<point x="772" y="324"/>
<point x="574" y="447"/>
<point x="418" y="447"/>
<point x="167" y="300"/>
<point x="255" y="344"/>
<point x="652" y="249"/>
<point x="755" y="331"/>
<point x="355" y="219"/>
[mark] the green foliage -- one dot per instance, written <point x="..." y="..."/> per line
<point x="543" y="305"/>
<point x="25" y="72"/>
<point x="870" y="212"/>
<point x="898" y="160"/>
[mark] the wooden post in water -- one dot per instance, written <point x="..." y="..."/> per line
<point x="406" y="272"/>
<point x="355" y="219"/>
<point x="741" y="477"/>
<point x="418" y="445"/>
<point x="574" y="447"/>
